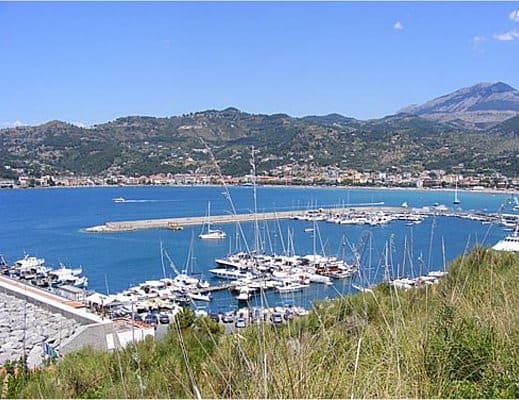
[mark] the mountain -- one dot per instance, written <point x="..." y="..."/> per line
<point x="510" y="127"/>
<point x="476" y="107"/>
<point x="476" y="128"/>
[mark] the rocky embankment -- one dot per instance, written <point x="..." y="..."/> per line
<point x="40" y="325"/>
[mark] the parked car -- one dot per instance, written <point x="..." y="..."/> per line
<point x="276" y="318"/>
<point x="151" y="319"/>
<point x="240" y="323"/>
<point x="228" y="319"/>
<point x="164" y="319"/>
<point x="214" y="316"/>
<point x="289" y="315"/>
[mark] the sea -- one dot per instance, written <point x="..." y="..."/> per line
<point x="50" y="223"/>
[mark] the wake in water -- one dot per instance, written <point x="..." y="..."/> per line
<point x="144" y="201"/>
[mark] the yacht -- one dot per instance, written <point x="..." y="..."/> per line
<point x="233" y="274"/>
<point x="29" y="262"/>
<point x="289" y="287"/>
<point x="509" y="243"/>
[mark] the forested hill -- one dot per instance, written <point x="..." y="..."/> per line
<point x="138" y="145"/>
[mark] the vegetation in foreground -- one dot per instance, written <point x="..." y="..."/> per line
<point x="457" y="340"/>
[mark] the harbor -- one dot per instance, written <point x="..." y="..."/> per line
<point x="261" y="279"/>
<point x="371" y="215"/>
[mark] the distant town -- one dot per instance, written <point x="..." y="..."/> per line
<point x="286" y="175"/>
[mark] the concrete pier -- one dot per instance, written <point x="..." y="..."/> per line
<point x="128" y="226"/>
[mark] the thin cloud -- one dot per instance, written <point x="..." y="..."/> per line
<point x="514" y="15"/>
<point x="80" y="124"/>
<point x="14" y="124"/>
<point x="507" y="36"/>
<point x="398" y="26"/>
<point x="478" y="39"/>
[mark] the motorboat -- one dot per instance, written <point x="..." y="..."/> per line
<point x="233" y="274"/>
<point x="509" y="243"/>
<point x="200" y="296"/>
<point x="29" y="262"/>
<point x="119" y="200"/>
<point x="289" y="287"/>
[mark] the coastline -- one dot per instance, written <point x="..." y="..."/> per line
<point x="512" y="192"/>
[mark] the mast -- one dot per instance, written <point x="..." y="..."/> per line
<point x="386" y="263"/>
<point x="162" y="260"/>
<point x="256" y="227"/>
<point x="208" y="217"/>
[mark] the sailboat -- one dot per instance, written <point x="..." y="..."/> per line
<point x="211" y="233"/>
<point x="456" y="199"/>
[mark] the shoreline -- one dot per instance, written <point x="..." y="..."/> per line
<point x="511" y="192"/>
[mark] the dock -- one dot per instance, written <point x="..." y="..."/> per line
<point x="164" y="223"/>
<point x="214" y="288"/>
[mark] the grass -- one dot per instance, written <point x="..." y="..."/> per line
<point x="459" y="339"/>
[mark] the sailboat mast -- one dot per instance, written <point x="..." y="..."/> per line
<point x="256" y="227"/>
<point x="208" y="216"/>
<point x="162" y="260"/>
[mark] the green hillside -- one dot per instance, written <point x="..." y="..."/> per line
<point x="139" y="145"/>
<point x="457" y="340"/>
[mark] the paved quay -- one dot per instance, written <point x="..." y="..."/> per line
<point x="164" y="223"/>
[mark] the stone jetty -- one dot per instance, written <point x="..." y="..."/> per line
<point x="164" y="223"/>
<point x="25" y="327"/>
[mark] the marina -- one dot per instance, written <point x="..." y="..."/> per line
<point x="269" y="267"/>
<point x="291" y="221"/>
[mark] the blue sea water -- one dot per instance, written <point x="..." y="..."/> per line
<point x="49" y="223"/>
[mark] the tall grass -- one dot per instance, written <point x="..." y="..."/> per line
<point x="459" y="339"/>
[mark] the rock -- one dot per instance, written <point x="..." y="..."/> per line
<point x="35" y="357"/>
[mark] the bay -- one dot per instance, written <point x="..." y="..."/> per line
<point x="50" y="223"/>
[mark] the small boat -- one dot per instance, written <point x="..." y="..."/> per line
<point x="174" y="227"/>
<point x="119" y="200"/>
<point x="289" y="287"/>
<point x="200" y="296"/>
<point x="245" y="293"/>
<point x="309" y="230"/>
<point x="362" y="289"/>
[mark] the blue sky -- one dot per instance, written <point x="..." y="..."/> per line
<point x="93" y="62"/>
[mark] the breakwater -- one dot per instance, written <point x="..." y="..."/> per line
<point x="165" y="223"/>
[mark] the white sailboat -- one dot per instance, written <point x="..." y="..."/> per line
<point x="211" y="233"/>
<point x="456" y="198"/>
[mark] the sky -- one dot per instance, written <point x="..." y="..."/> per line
<point x="89" y="63"/>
